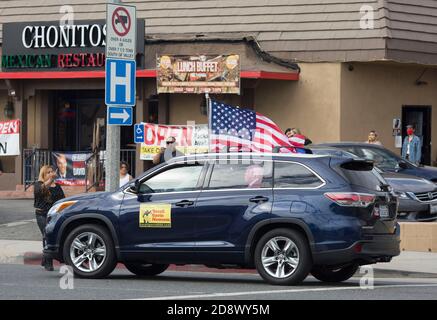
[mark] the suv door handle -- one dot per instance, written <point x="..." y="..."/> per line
<point x="184" y="203"/>
<point x="259" y="199"/>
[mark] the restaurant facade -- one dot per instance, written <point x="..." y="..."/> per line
<point x="307" y="65"/>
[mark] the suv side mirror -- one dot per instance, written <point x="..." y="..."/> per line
<point x="403" y="164"/>
<point x="136" y="187"/>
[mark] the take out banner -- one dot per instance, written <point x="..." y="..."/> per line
<point x="10" y="138"/>
<point x="190" y="139"/>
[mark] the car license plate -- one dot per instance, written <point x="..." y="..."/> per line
<point x="433" y="208"/>
<point x="384" y="212"/>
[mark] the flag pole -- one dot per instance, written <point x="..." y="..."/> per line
<point x="208" y="114"/>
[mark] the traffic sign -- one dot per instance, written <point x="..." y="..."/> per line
<point x="139" y="133"/>
<point x="121" y="31"/>
<point x="120" y="82"/>
<point x="120" y="116"/>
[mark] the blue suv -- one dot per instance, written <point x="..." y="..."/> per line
<point x="285" y="215"/>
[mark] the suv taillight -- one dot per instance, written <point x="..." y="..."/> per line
<point x="351" y="199"/>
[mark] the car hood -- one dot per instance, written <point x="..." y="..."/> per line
<point x="88" y="196"/>
<point x="407" y="183"/>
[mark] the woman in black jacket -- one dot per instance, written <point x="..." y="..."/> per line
<point x="46" y="193"/>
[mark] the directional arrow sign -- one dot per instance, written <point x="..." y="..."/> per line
<point x="121" y="116"/>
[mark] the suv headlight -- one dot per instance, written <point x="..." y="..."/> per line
<point x="58" y="208"/>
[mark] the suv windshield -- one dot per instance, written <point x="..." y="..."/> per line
<point x="384" y="159"/>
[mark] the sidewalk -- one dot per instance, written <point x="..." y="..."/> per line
<point x="411" y="264"/>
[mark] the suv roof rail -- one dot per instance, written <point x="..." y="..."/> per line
<point x="297" y="149"/>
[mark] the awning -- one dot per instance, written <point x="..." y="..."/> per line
<point x="290" y="76"/>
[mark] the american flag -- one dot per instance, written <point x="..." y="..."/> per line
<point x="245" y="129"/>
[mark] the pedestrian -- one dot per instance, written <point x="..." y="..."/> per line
<point x="373" y="138"/>
<point x="289" y="132"/>
<point x="46" y="193"/>
<point x="125" y="177"/>
<point x="412" y="146"/>
<point x="166" y="154"/>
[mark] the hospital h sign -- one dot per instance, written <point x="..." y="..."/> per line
<point x="120" y="82"/>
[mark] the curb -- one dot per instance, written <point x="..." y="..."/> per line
<point x="34" y="258"/>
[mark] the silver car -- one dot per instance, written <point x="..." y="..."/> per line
<point x="417" y="196"/>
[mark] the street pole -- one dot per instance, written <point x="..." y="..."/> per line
<point x="208" y="114"/>
<point x="112" y="158"/>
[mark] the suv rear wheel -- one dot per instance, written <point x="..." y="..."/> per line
<point x="327" y="274"/>
<point x="145" y="269"/>
<point x="89" y="250"/>
<point x="283" y="257"/>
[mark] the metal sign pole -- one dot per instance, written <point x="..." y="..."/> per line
<point x="112" y="158"/>
<point x="208" y="114"/>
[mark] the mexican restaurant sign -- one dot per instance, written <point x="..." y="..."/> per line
<point x="49" y="46"/>
<point x="198" y="74"/>
<point x="10" y="138"/>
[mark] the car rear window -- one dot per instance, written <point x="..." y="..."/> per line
<point x="361" y="174"/>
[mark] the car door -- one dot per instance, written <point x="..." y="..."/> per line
<point x="235" y="196"/>
<point x="160" y="217"/>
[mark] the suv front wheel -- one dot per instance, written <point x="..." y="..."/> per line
<point x="283" y="257"/>
<point x="89" y="250"/>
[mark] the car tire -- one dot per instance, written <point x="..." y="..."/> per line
<point x="145" y="269"/>
<point x="327" y="274"/>
<point x="90" y="258"/>
<point x="295" y="263"/>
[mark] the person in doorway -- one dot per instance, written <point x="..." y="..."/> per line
<point x="373" y="138"/>
<point x="167" y="153"/>
<point x="412" y="147"/>
<point x="46" y="193"/>
<point x="125" y="177"/>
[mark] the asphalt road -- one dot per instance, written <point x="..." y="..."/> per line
<point x="16" y="210"/>
<point x="17" y="220"/>
<point x="32" y="282"/>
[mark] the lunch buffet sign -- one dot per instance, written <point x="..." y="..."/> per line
<point x="49" y="46"/>
<point x="198" y="74"/>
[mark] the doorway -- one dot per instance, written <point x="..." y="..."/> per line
<point x="420" y="117"/>
<point x="76" y="114"/>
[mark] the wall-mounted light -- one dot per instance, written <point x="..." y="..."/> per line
<point x="9" y="110"/>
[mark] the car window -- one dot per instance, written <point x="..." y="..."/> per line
<point x="382" y="159"/>
<point x="293" y="175"/>
<point x="176" y="179"/>
<point x="241" y="176"/>
<point x="370" y="179"/>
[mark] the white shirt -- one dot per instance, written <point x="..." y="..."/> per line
<point x="125" y="179"/>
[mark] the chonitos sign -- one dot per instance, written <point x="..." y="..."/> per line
<point x="41" y="46"/>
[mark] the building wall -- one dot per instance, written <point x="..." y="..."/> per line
<point x="312" y="104"/>
<point x="372" y="95"/>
